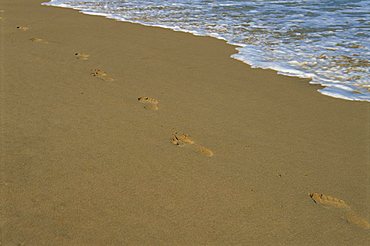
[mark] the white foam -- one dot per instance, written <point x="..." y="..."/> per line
<point x="338" y="92"/>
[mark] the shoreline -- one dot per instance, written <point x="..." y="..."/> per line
<point x="328" y="87"/>
<point x="87" y="163"/>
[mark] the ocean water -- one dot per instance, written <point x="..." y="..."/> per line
<point x="325" y="40"/>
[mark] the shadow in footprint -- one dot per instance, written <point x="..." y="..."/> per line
<point x="182" y="140"/>
<point x="23" y="28"/>
<point x="333" y="202"/>
<point x="328" y="201"/>
<point x="101" y="75"/>
<point x="82" y="56"/>
<point x="149" y="103"/>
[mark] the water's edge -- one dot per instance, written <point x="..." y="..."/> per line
<point x="340" y="91"/>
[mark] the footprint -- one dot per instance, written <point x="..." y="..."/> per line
<point x="39" y="40"/>
<point x="357" y="220"/>
<point x="205" y="151"/>
<point x="328" y="200"/>
<point x="149" y="103"/>
<point x="23" y="28"/>
<point x="350" y="216"/>
<point x="82" y="56"/>
<point x="101" y="75"/>
<point x="182" y="140"/>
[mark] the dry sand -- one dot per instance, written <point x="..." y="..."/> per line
<point x="84" y="162"/>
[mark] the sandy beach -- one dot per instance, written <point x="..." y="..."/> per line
<point x="114" y="133"/>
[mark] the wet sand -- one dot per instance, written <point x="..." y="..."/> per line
<point x="118" y="134"/>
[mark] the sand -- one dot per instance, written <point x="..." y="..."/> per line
<point x="213" y="153"/>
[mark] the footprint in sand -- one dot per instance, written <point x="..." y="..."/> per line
<point x="23" y="28"/>
<point x="333" y="202"/>
<point x="204" y="151"/>
<point x="39" y="40"/>
<point x="149" y="103"/>
<point x="328" y="201"/>
<point x="357" y="220"/>
<point x="82" y="56"/>
<point x="101" y="75"/>
<point x="182" y="140"/>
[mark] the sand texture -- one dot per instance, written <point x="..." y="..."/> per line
<point x="118" y="134"/>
